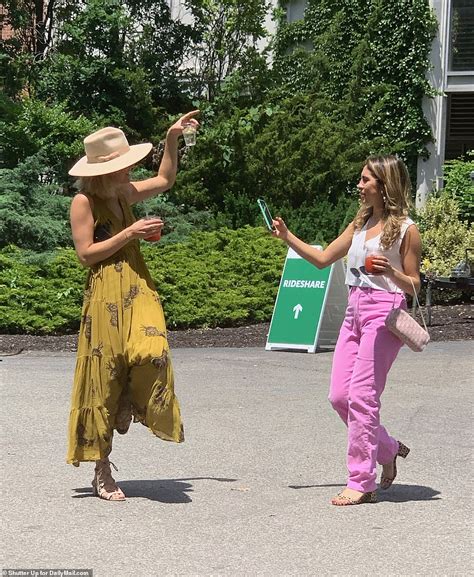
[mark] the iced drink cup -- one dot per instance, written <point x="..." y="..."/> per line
<point x="369" y="260"/>
<point x="156" y="236"/>
<point x="189" y="133"/>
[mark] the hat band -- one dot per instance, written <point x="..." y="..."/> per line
<point x="107" y="157"/>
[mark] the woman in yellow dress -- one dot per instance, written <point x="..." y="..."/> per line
<point x="123" y="366"/>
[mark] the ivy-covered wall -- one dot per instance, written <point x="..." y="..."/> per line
<point x="371" y="54"/>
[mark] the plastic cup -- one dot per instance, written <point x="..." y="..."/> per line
<point x="369" y="260"/>
<point x="156" y="236"/>
<point x="189" y="134"/>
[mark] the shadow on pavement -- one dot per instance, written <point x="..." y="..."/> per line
<point x="403" y="493"/>
<point x="162" y="490"/>
<point x="396" y="494"/>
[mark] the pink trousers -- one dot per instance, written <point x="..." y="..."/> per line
<point x="364" y="353"/>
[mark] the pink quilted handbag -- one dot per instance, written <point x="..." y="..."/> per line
<point x="405" y="327"/>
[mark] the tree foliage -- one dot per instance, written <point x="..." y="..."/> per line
<point x="226" y="37"/>
<point x="34" y="127"/>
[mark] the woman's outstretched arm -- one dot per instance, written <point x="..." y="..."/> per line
<point x="320" y="258"/>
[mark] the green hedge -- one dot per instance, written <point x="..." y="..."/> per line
<point x="219" y="278"/>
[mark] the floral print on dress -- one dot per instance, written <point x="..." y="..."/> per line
<point x="114" y="368"/>
<point x="161" y="398"/>
<point x="87" y="292"/>
<point x="82" y="440"/>
<point x="87" y="324"/>
<point x="113" y="310"/>
<point x="118" y="266"/>
<point x="97" y="351"/>
<point x="151" y="331"/>
<point x="132" y="294"/>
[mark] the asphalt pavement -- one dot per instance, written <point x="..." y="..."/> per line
<point x="248" y="493"/>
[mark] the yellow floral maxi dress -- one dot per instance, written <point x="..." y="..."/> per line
<point x="123" y="361"/>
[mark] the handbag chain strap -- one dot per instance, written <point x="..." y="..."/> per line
<point x="417" y="302"/>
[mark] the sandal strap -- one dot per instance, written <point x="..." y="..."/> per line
<point x="109" y="495"/>
<point x="103" y="477"/>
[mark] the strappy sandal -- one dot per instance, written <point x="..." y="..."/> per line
<point x="341" y="500"/>
<point x="103" y="481"/>
<point x="385" y="481"/>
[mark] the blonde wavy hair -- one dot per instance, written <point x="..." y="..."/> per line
<point x="97" y="186"/>
<point x="395" y="187"/>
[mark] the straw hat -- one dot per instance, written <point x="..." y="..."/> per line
<point x="107" y="151"/>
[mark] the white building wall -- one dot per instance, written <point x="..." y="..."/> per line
<point x="445" y="81"/>
<point x="429" y="172"/>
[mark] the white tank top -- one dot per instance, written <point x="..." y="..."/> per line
<point x="356" y="274"/>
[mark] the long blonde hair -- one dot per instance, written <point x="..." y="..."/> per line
<point x="395" y="187"/>
<point x="101" y="186"/>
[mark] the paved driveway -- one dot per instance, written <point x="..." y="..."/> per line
<point x="248" y="493"/>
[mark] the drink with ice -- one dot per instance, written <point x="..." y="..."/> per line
<point x="189" y="133"/>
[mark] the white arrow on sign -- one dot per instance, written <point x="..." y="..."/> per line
<point x="297" y="309"/>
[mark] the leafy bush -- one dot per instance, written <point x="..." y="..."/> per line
<point x="219" y="278"/>
<point x="445" y="237"/>
<point x="180" y="221"/>
<point x="459" y="183"/>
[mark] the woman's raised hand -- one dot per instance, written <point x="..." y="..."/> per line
<point x="188" y="118"/>
<point x="280" y="229"/>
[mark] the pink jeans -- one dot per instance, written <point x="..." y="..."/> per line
<point x="364" y="353"/>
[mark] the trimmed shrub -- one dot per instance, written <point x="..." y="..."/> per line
<point x="40" y="295"/>
<point x="221" y="278"/>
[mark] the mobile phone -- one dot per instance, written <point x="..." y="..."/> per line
<point x="267" y="217"/>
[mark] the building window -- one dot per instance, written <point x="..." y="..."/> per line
<point x="295" y="10"/>
<point x="461" y="53"/>
<point x="460" y="124"/>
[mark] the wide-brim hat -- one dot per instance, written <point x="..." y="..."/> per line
<point x="107" y="151"/>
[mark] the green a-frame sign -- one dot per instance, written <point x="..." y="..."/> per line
<point x="310" y="306"/>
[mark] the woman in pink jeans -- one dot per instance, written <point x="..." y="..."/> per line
<point x="365" y="348"/>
